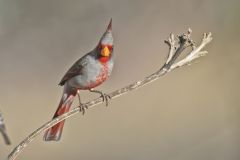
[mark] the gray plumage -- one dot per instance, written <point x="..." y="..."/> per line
<point x="86" y="73"/>
<point x="87" y="69"/>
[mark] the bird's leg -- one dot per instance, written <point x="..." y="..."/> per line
<point x="79" y="99"/>
<point x="104" y="96"/>
<point x="82" y="106"/>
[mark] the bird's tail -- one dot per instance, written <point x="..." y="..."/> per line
<point x="54" y="133"/>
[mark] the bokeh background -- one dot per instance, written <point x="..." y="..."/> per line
<point x="189" y="114"/>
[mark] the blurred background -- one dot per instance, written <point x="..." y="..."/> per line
<point x="191" y="113"/>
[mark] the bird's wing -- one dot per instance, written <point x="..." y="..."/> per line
<point x="73" y="71"/>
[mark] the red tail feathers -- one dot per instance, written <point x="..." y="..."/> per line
<point x="54" y="133"/>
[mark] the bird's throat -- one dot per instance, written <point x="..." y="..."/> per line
<point x="103" y="59"/>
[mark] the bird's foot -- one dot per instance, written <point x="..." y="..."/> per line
<point x="83" y="108"/>
<point x="104" y="96"/>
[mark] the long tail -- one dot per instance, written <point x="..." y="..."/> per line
<point x="54" y="133"/>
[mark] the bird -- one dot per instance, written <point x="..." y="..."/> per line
<point x="3" y="130"/>
<point x="88" y="72"/>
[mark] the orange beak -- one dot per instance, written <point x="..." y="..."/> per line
<point x="105" y="51"/>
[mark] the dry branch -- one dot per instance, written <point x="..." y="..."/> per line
<point x="176" y="46"/>
<point x="3" y="130"/>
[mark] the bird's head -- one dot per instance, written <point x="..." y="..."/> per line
<point x="105" y="46"/>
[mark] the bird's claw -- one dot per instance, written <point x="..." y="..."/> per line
<point x="83" y="108"/>
<point x="105" y="98"/>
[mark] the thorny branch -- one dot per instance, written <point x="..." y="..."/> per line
<point x="176" y="46"/>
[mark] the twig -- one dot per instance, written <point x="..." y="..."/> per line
<point x="4" y="131"/>
<point x="176" y="46"/>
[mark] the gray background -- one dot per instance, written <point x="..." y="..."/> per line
<point x="189" y="114"/>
